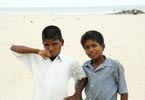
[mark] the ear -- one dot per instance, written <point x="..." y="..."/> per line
<point x="103" y="47"/>
<point x="62" y="42"/>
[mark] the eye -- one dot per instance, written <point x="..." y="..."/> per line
<point x="94" y="45"/>
<point x="46" y="45"/>
<point x="54" y="44"/>
<point x="87" y="47"/>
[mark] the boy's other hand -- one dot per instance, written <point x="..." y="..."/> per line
<point x="71" y="98"/>
<point x="44" y="53"/>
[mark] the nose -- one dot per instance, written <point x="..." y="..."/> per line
<point x="50" y="48"/>
<point x="91" y="49"/>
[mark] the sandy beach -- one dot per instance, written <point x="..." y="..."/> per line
<point x="124" y="38"/>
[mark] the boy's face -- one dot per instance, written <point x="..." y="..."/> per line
<point x="93" y="49"/>
<point x="53" y="46"/>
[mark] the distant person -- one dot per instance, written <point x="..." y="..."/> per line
<point x="105" y="76"/>
<point x="50" y="69"/>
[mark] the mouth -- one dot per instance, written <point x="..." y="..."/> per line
<point x="53" y="54"/>
<point x="92" y="55"/>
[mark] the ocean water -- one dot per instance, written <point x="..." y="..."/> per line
<point x="72" y="10"/>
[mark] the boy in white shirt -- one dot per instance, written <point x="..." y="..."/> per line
<point x="50" y="69"/>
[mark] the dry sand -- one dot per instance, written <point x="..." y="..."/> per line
<point x="124" y="38"/>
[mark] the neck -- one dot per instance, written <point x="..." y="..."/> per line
<point x="98" y="61"/>
<point x="52" y="58"/>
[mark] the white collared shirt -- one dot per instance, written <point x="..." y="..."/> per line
<point x="50" y="79"/>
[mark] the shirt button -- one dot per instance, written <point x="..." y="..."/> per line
<point x="91" y="87"/>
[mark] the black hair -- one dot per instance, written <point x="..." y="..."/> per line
<point x="51" y="32"/>
<point x="93" y="35"/>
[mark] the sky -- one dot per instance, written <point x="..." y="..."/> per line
<point x="66" y="3"/>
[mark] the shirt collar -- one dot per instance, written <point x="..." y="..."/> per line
<point x="61" y="57"/>
<point x="106" y="63"/>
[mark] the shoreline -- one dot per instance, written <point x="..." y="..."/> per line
<point x="73" y="9"/>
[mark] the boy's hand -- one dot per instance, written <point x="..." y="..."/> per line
<point x="72" y="98"/>
<point x="44" y="53"/>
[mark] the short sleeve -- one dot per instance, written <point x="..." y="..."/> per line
<point x="77" y="71"/>
<point x="23" y="58"/>
<point x="122" y="86"/>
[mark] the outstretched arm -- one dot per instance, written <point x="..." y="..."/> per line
<point x="24" y="49"/>
<point x="79" y="89"/>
